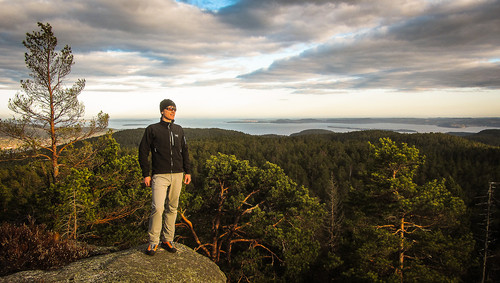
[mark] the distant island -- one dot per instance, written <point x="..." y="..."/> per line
<point x="441" y="122"/>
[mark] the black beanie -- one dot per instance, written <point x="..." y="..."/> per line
<point x="166" y="103"/>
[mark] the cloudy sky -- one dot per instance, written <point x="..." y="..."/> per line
<point x="268" y="58"/>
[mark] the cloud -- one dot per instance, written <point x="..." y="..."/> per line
<point x="441" y="47"/>
<point x="297" y="47"/>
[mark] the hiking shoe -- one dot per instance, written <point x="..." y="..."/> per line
<point x="169" y="246"/>
<point x="151" y="250"/>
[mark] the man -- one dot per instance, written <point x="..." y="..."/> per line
<point x="170" y="160"/>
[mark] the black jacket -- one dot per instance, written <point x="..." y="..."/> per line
<point x="167" y="143"/>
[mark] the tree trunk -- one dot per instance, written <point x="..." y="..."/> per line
<point x="53" y="138"/>
<point x="55" y="166"/>
<point x="401" y="249"/>
<point x="75" y="219"/>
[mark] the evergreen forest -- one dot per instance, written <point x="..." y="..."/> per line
<point x="367" y="206"/>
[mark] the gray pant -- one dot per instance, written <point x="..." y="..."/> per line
<point x="166" y="190"/>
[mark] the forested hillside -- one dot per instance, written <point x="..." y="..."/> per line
<point x="322" y="160"/>
<point x="311" y="158"/>
<point x="313" y="207"/>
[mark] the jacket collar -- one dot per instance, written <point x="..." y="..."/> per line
<point x="166" y="123"/>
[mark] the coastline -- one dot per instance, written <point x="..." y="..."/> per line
<point x="287" y="127"/>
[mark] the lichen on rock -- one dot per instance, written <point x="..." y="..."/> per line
<point x="131" y="265"/>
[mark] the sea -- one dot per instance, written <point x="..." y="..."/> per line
<point x="260" y="127"/>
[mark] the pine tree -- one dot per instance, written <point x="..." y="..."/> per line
<point x="409" y="232"/>
<point x="50" y="115"/>
<point x="105" y="190"/>
<point x="256" y="223"/>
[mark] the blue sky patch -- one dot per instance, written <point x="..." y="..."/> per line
<point x="212" y="5"/>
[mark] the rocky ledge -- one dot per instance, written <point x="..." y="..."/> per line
<point x="131" y="265"/>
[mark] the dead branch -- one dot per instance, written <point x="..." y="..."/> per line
<point x="247" y="197"/>
<point x="122" y="213"/>
<point x="196" y="238"/>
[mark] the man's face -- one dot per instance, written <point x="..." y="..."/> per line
<point x="169" y="113"/>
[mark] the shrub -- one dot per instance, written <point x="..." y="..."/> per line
<point x="26" y="247"/>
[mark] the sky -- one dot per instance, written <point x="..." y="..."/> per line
<point x="253" y="59"/>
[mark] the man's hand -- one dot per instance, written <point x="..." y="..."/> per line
<point x="187" y="179"/>
<point x="147" y="181"/>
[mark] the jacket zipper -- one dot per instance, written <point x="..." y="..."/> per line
<point x="171" y="146"/>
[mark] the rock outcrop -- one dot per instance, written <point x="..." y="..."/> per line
<point x="131" y="265"/>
